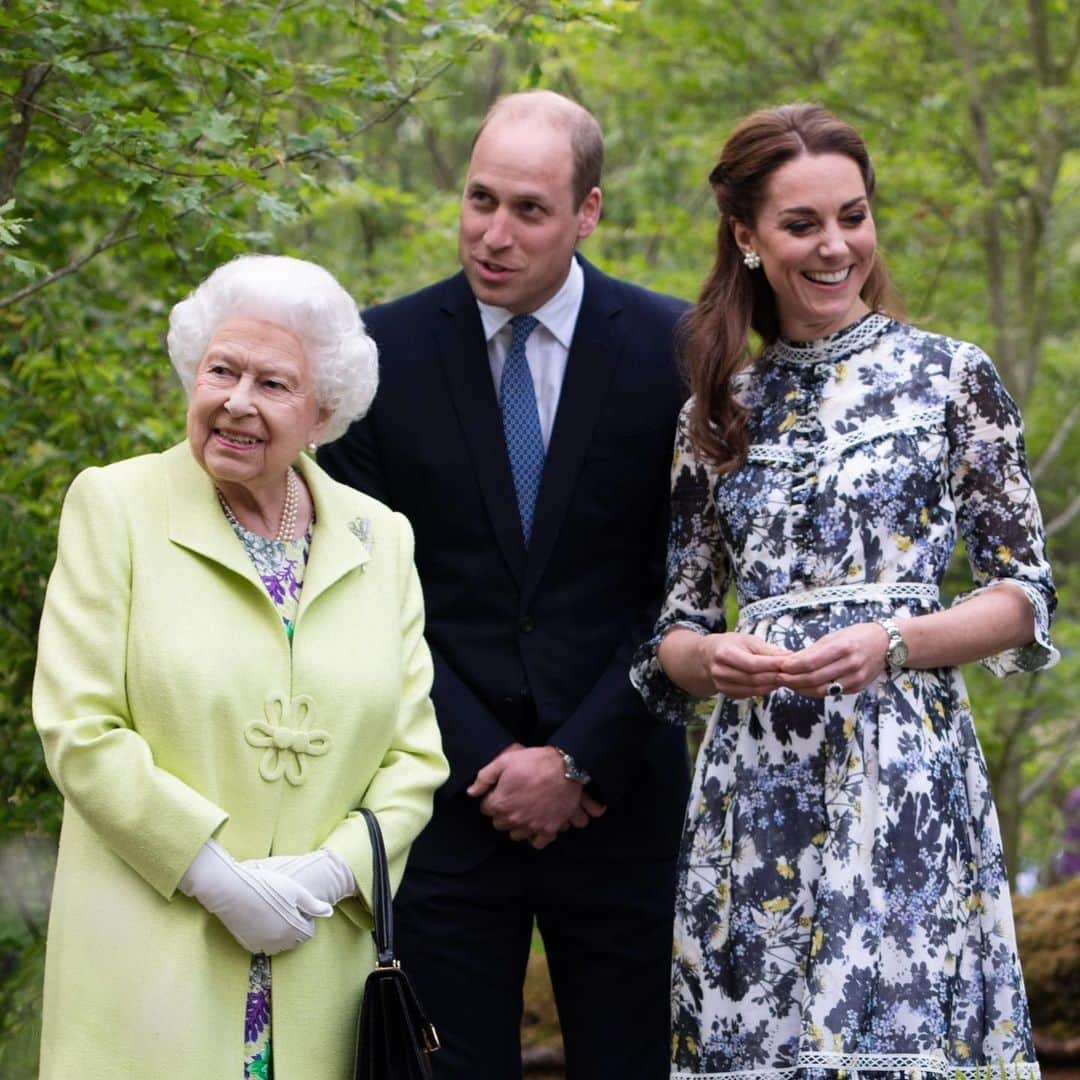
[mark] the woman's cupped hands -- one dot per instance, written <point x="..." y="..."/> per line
<point x="842" y="662"/>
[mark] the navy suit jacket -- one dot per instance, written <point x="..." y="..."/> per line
<point x="534" y="645"/>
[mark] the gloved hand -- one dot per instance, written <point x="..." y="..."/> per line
<point x="267" y="912"/>
<point x="324" y="873"/>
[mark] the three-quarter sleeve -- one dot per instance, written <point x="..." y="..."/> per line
<point x="698" y="572"/>
<point x="997" y="511"/>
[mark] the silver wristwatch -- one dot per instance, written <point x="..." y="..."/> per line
<point x="896" y="652"/>
<point x="571" y="769"/>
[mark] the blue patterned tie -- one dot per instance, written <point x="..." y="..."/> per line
<point x="521" y="422"/>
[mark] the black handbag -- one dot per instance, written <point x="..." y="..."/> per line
<point x="394" y="1037"/>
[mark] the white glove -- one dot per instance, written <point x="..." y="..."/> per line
<point x="265" y="911"/>
<point x="324" y="873"/>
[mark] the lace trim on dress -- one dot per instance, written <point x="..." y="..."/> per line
<point x="775" y="454"/>
<point x="771" y="454"/>
<point x="910" y="1066"/>
<point x="839" y="346"/>
<point x="932" y="419"/>
<point x="867" y="592"/>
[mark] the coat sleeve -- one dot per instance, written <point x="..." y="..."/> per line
<point x="472" y="736"/>
<point x="997" y="511"/>
<point x="103" y="767"/>
<point x="698" y="574"/>
<point x="403" y="787"/>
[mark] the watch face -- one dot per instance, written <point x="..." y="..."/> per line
<point x="898" y="653"/>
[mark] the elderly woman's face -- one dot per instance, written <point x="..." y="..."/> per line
<point x="253" y="405"/>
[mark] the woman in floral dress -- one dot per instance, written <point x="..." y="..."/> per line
<point x="843" y="906"/>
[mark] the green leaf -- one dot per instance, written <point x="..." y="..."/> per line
<point x="221" y="128"/>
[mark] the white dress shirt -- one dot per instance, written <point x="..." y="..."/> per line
<point x="547" y="347"/>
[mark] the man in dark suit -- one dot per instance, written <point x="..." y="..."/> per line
<point x="531" y="456"/>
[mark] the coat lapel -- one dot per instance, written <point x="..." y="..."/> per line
<point x="339" y="544"/>
<point x="460" y="343"/>
<point x="590" y="366"/>
<point x="197" y="523"/>
<point x="195" y="518"/>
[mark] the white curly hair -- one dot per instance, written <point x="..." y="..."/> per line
<point x="305" y="299"/>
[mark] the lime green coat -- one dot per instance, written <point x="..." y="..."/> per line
<point x="163" y="674"/>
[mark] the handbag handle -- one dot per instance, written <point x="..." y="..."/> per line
<point x="382" y="910"/>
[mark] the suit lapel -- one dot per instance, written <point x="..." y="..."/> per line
<point x="461" y="346"/>
<point x="590" y="366"/>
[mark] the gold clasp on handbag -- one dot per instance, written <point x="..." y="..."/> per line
<point x="431" y="1038"/>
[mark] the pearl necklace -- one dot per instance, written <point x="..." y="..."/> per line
<point x="287" y="524"/>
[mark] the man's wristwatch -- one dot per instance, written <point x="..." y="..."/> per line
<point x="896" y="652"/>
<point x="571" y="769"/>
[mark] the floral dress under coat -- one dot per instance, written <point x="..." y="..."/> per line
<point x="842" y="900"/>
<point x="280" y="565"/>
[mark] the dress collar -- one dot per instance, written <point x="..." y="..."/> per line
<point x="835" y="347"/>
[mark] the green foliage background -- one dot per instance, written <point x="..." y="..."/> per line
<point x="142" y="144"/>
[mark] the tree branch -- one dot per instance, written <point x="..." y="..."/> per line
<point x="1058" y="523"/>
<point x="111" y="239"/>
<point x="1073" y="48"/>
<point x="131" y="159"/>
<point x="1040" y="41"/>
<point x="987" y="170"/>
<point x="1052" y="137"/>
<point x="1052" y="450"/>
<point x="1021" y="720"/>
<point x="1030" y="790"/>
<point x="938" y="272"/>
<point x="11" y="160"/>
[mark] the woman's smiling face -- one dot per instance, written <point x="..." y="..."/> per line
<point x="816" y="238"/>
<point x="253" y="406"/>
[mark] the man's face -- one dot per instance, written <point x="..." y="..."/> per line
<point x="519" y="226"/>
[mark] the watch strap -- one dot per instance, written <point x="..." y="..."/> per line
<point x="896" y="651"/>
<point x="571" y="769"/>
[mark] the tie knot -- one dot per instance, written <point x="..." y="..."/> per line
<point x="521" y="326"/>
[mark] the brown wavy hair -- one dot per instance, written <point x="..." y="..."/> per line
<point x="733" y="300"/>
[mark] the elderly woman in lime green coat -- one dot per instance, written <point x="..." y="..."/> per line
<point x="231" y="664"/>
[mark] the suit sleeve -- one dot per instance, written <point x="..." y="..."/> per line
<point x="609" y="731"/>
<point x="471" y="734"/>
<point x="402" y="789"/>
<point x="103" y="767"/>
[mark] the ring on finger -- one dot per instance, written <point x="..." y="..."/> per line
<point x="835" y="689"/>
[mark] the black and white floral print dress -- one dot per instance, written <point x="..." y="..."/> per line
<point x="842" y="906"/>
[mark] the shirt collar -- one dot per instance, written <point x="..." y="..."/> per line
<point x="558" y="316"/>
